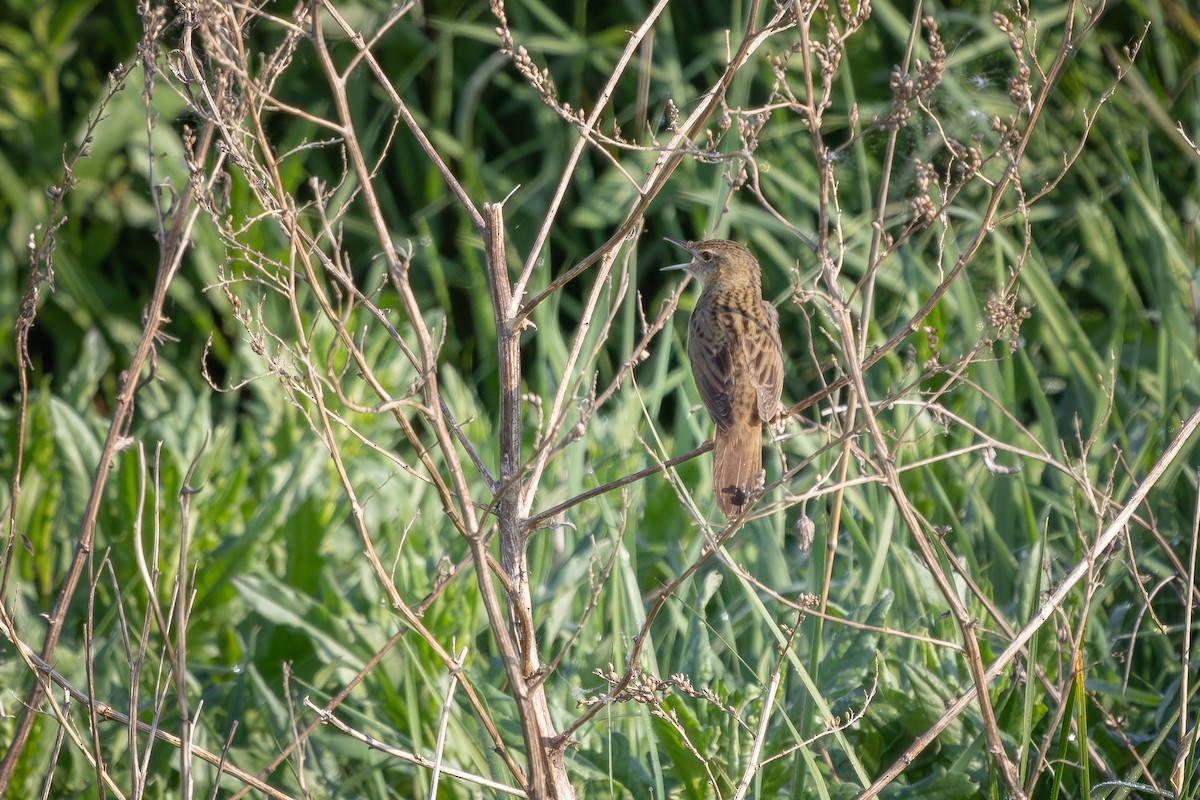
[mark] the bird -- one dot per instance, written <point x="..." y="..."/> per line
<point x="737" y="362"/>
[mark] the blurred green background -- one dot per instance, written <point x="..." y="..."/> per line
<point x="1110" y="352"/>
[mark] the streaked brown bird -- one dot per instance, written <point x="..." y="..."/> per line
<point x="737" y="361"/>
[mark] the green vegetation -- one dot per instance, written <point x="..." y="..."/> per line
<point x="324" y="436"/>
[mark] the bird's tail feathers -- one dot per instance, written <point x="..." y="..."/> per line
<point x="737" y="466"/>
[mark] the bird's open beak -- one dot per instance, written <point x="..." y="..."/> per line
<point x="678" y="243"/>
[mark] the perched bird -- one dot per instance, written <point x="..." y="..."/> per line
<point x="737" y="361"/>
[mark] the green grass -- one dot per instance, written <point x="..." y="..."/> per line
<point x="1077" y="404"/>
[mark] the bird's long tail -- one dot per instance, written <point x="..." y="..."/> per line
<point x="737" y="464"/>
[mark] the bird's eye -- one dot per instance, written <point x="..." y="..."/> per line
<point x="706" y="255"/>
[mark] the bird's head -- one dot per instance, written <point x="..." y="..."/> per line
<point x="714" y="259"/>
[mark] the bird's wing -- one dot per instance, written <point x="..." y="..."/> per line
<point x="764" y="360"/>
<point x="712" y="362"/>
